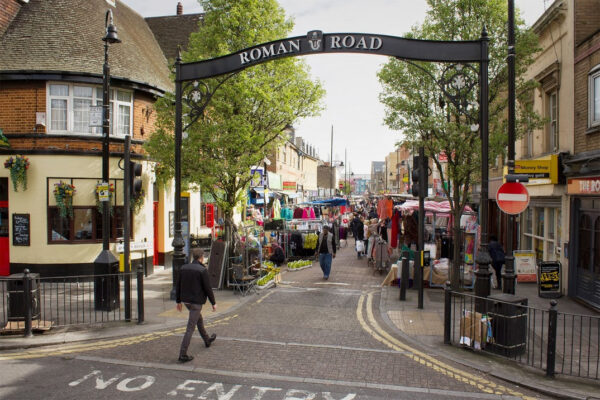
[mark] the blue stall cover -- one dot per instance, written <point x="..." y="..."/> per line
<point x="336" y="201"/>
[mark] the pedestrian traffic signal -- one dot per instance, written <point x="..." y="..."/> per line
<point x="135" y="179"/>
<point x="416" y="175"/>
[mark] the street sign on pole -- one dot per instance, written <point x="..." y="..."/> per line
<point x="512" y="198"/>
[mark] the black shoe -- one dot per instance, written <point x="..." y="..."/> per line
<point x="185" y="358"/>
<point x="210" y="340"/>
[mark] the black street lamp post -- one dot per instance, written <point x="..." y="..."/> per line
<point x="106" y="258"/>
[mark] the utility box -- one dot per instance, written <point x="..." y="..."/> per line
<point x="17" y="307"/>
<point x="509" y="315"/>
<point x="106" y="283"/>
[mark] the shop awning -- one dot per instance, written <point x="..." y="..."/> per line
<point x="331" y="202"/>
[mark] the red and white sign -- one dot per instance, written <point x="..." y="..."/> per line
<point x="512" y="198"/>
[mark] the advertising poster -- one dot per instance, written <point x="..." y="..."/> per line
<point x="525" y="266"/>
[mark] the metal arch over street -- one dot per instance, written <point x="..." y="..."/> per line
<point x="316" y="42"/>
<point x="199" y="94"/>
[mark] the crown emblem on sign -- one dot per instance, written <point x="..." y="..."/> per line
<point x="315" y="38"/>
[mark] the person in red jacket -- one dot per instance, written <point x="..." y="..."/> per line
<point x="193" y="288"/>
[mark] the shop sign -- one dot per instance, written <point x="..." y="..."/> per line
<point x="289" y="186"/>
<point x="258" y="177"/>
<point x="525" y="266"/>
<point x="549" y="279"/>
<point x="541" y="171"/>
<point x="584" y="186"/>
<point x="135" y="246"/>
<point x="96" y="116"/>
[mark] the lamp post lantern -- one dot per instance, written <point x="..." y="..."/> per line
<point x="106" y="258"/>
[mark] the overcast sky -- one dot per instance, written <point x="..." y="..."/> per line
<point x="351" y="104"/>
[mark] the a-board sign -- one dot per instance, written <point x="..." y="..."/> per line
<point x="525" y="266"/>
<point x="549" y="277"/>
<point x="20" y="229"/>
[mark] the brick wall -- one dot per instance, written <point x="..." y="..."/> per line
<point x="587" y="17"/>
<point x="8" y="10"/>
<point x="19" y="101"/>
<point x="585" y="141"/>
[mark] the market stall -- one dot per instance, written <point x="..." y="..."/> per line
<point x="438" y="239"/>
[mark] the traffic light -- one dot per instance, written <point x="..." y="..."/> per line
<point x="416" y="175"/>
<point x="135" y="179"/>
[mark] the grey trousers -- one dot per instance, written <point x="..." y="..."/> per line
<point x="194" y="320"/>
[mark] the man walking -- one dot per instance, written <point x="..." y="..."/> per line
<point x="193" y="287"/>
<point x="326" y="249"/>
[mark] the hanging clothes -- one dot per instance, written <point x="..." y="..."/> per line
<point x="297" y="213"/>
<point x="276" y="209"/>
<point x="312" y="213"/>
<point x="395" y="229"/>
<point x="305" y="213"/>
<point x="317" y="212"/>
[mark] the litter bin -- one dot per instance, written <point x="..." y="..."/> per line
<point x="106" y="285"/>
<point x="509" y="324"/>
<point x="16" y="297"/>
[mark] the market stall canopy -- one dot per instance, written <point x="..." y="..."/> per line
<point x="330" y="202"/>
<point x="440" y="208"/>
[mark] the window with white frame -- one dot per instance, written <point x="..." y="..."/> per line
<point x="69" y="109"/>
<point x="541" y="232"/>
<point x="552" y="128"/>
<point x="594" y="91"/>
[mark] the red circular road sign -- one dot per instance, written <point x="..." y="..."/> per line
<point x="512" y="198"/>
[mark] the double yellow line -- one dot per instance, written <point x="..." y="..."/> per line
<point x="371" y="326"/>
<point x="40" y="352"/>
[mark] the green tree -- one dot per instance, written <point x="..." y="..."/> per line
<point x="415" y="95"/>
<point x="245" y="119"/>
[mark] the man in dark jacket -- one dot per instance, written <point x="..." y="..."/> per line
<point x="193" y="287"/>
<point x="498" y="258"/>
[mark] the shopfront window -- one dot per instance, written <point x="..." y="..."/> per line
<point x="85" y="223"/>
<point x="541" y="232"/>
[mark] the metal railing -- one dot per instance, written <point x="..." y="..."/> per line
<point x="556" y="342"/>
<point x="29" y="302"/>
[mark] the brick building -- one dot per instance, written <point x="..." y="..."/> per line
<point x="50" y="74"/>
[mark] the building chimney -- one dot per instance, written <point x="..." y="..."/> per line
<point x="179" y="8"/>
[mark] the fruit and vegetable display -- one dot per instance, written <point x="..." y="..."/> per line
<point x="267" y="278"/>
<point x="298" y="264"/>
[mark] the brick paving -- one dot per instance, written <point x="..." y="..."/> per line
<point x="306" y="328"/>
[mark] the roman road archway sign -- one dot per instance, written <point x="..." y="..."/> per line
<point x="189" y="76"/>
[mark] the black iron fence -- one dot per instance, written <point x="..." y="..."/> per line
<point x="29" y="302"/>
<point x="559" y="343"/>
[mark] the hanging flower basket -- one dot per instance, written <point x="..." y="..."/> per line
<point x="137" y="202"/>
<point x="18" y="166"/>
<point x="63" y="194"/>
<point x="111" y="191"/>
<point x="3" y="140"/>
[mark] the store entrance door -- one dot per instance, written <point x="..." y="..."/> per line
<point x="587" y="263"/>
<point x="4" y="244"/>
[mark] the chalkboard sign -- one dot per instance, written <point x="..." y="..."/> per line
<point x="20" y="229"/>
<point x="549" y="277"/>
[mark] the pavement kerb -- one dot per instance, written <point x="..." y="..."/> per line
<point x="109" y="331"/>
<point x="520" y="380"/>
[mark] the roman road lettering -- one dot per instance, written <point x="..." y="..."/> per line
<point x="350" y="41"/>
<point x="268" y="51"/>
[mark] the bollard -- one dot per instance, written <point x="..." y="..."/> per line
<point x="404" y="275"/>
<point x="28" y="305"/>
<point x="551" y="353"/>
<point x="447" y="312"/>
<point x="140" y="294"/>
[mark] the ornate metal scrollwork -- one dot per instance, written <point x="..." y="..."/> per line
<point x="457" y="83"/>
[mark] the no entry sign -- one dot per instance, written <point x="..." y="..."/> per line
<point x="512" y="198"/>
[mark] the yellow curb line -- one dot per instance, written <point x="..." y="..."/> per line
<point x="102" y="344"/>
<point x="382" y="336"/>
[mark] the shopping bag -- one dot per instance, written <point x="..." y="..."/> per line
<point x="360" y="246"/>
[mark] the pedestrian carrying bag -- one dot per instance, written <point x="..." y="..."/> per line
<point x="360" y="246"/>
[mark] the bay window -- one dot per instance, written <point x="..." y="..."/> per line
<point x="594" y="101"/>
<point x="69" y="109"/>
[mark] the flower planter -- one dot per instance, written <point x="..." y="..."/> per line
<point x="300" y="268"/>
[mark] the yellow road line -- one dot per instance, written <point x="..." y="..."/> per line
<point x="102" y="344"/>
<point x="462" y="376"/>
